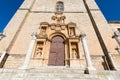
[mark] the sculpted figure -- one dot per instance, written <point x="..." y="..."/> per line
<point x="39" y="52"/>
<point x="74" y="53"/>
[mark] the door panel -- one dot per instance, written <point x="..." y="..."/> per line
<point x="57" y="49"/>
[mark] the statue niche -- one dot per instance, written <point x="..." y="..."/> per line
<point x="71" y="29"/>
<point x="74" y="49"/>
<point x="43" y="28"/>
<point x="39" y="50"/>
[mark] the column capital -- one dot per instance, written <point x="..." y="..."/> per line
<point x="82" y="35"/>
<point x="34" y="35"/>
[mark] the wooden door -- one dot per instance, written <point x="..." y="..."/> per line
<point x="57" y="50"/>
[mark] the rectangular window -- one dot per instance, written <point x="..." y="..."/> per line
<point x="59" y="6"/>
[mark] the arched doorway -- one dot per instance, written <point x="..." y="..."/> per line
<point x="57" y="52"/>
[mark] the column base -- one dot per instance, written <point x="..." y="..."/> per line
<point x="67" y="66"/>
<point x="89" y="70"/>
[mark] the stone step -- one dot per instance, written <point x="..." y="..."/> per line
<point x="44" y="70"/>
<point x="79" y="71"/>
<point x="48" y="76"/>
<point x="52" y="79"/>
<point x="56" y="74"/>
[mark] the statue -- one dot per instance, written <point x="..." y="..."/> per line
<point x="71" y="32"/>
<point x="74" y="53"/>
<point x="39" y="52"/>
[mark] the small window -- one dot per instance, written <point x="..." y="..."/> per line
<point x="59" y="6"/>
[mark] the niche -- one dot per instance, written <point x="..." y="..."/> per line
<point x="74" y="50"/>
<point x="71" y="32"/>
<point x="71" y="29"/>
<point x="43" y="31"/>
<point x="39" y="49"/>
<point x="43" y="28"/>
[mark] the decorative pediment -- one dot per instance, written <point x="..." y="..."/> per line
<point x="71" y="24"/>
<point x="44" y="24"/>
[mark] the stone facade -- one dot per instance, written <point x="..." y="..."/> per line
<point x="32" y="39"/>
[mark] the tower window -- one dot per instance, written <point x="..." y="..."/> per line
<point x="59" y="6"/>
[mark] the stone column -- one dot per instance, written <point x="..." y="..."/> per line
<point x="112" y="61"/>
<point x="3" y="55"/>
<point x="29" y="52"/>
<point x="87" y="54"/>
<point x="67" y="56"/>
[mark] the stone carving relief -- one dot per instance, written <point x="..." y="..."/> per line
<point x="71" y="33"/>
<point x="59" y="27"/>
<point x="71" y="28"/>
<point x="74" y="52"/>
<point x="58" y="22"/>
<point x="39" y="50"/>
<point x="43" y="31"/>
<point x="58" y="18"/>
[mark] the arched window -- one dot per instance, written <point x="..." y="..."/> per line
<point x="59" y="6"/>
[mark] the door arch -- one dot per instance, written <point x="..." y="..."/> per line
<point x="57" y="52"/>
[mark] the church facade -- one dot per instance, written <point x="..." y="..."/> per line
<point x="61" y="33"/>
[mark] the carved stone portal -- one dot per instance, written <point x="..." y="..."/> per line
<point x="50" y="49"/>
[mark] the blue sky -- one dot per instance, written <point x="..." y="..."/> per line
<point x="110" y="9"/>
<point x="7" y="10"/>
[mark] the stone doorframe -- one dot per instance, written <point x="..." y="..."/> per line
<point x="66" y="55"/>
